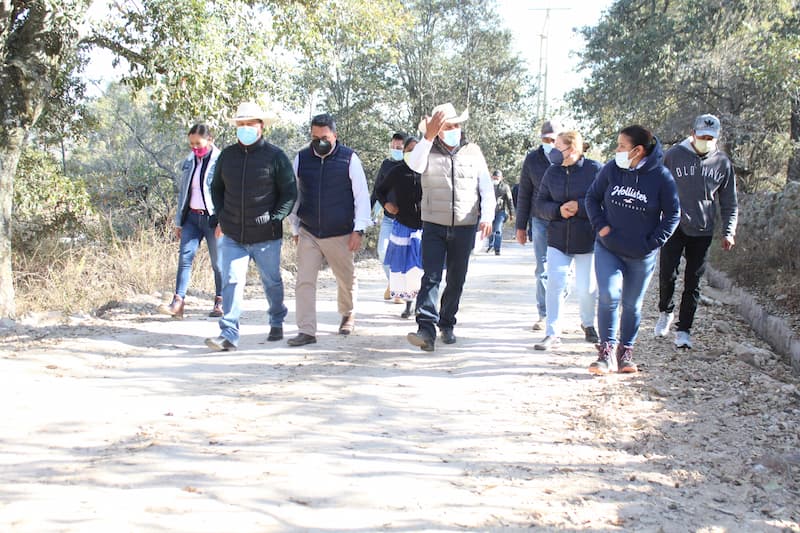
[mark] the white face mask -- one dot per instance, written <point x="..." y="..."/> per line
<point x="704" y="146"/>
<point x="622" y="161"/>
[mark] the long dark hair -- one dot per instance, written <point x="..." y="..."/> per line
<point x="640" y="136"/>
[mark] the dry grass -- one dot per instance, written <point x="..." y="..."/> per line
<point x="54" y="275"/>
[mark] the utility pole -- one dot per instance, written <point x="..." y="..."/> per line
<point x="541" y="76"/>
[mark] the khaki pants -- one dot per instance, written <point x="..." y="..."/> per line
<point x="310" y="252"/>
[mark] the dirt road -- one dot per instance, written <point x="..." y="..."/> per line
<point x="129" y="423"/>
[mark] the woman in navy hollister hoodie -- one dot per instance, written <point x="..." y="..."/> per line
<point x="634" y="208"/>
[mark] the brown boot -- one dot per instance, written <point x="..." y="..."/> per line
<point x="217" y="311"/>
<point x="175" y="309"/>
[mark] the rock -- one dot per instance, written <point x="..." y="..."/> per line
<point x="723" y="327"/>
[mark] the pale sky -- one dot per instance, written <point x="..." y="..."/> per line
<point x="526" y="18"/>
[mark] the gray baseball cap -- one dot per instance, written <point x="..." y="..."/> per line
<point x="707" y="125"/>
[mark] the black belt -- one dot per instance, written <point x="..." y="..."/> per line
<point x="198" y="211"/>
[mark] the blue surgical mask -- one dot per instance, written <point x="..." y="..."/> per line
<point x="396" y="155"/>
<point x="547" y="147"/>
<point x="556" y="156"/>
<point x="452" y="137"/>
<point x="247" y="135"/>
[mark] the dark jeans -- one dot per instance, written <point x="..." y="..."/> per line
<point x="452" y="244"/>
<point x="696" y="251"/>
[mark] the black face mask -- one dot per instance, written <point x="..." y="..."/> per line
<point x="321" y="147"/>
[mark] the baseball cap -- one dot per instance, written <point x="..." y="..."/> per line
<point x="706" y="125"/>
<point x="551" y="129"/>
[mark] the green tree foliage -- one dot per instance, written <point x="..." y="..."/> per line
<point x="345" y="71"/>
<point x="47" y="204"/>
<point x="661" y="63"/>
<point x="458" y="51"/>
<point x="130" y="160"/>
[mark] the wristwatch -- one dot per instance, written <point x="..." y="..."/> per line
<point x="360" y="232"/>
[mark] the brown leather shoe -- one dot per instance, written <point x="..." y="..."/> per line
<point x="387" y="294"/>
<point x="217" y="311"/>
<point x="174" y="309"/>
<point x="348" y="324"/>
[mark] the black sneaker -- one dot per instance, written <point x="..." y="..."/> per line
<point x="605" y="351"/>
<point x="421" y="340"/>
<point x="275" y="334"/>
<point x="625" y="364"/>
<point x="220" y="344"/>
<point x="590" y="334"/>
<point x="448" y="337"/>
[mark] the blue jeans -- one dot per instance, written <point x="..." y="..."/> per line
<point x="194" y="229"/>
<point x="539" y="240"/>
<point x="234" y="260"/>
<point x="440" y="244"/>
<point x="383" y="241"/>
<point x="496" y="238"/>
<point x="625" y="279"/>
<point x="558" y="266"/>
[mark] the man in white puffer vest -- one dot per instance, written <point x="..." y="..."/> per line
<point x="457" y="200"/>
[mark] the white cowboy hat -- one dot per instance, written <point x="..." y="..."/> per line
<point x="250" y="111"/>
<point x="450" y="115"/>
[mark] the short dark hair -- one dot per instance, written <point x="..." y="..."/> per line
<point x="200" y="129"/>
<point x="410" y="139"/>
<point x="399" y="136"/>
<point x="640" y="136"/>
<point x="324" y="120"/>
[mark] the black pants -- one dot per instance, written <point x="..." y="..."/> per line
<point x="696" y="251"/>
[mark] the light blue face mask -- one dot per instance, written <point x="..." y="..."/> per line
<point x="247" y="135"/>
<point x="396" y="155"/>
<point x="547" y="147"/>
<point x="452" y="137"/>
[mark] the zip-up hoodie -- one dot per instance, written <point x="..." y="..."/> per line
<point x="700" y="179"/>
<point x="640" y="205"/>
<point x="561" y="184"/>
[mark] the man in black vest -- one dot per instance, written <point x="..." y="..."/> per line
<point x="330" y="216"/>
<point x="253" y="190"/>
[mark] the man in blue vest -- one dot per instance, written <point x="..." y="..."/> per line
<point x="330" y="216"/>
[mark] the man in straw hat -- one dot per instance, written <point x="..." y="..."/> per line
<point x="253" y="189"/>
<point x="457" y="199"/>
<point x="328" y="223"/>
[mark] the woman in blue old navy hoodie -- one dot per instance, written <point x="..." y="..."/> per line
<point x="634" y="208"/>
<point x="570" y="238"/>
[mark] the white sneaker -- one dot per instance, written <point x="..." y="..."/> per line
<point x="662" y="324"/>
<point x="538" y="325"/>
<point x="683" y="340"/>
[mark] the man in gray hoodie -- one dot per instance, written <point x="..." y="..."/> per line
<point x="704" y="176"/>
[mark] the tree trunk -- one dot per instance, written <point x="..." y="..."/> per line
<point x="793" y="171"/>
<point x="35" y="37"/>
